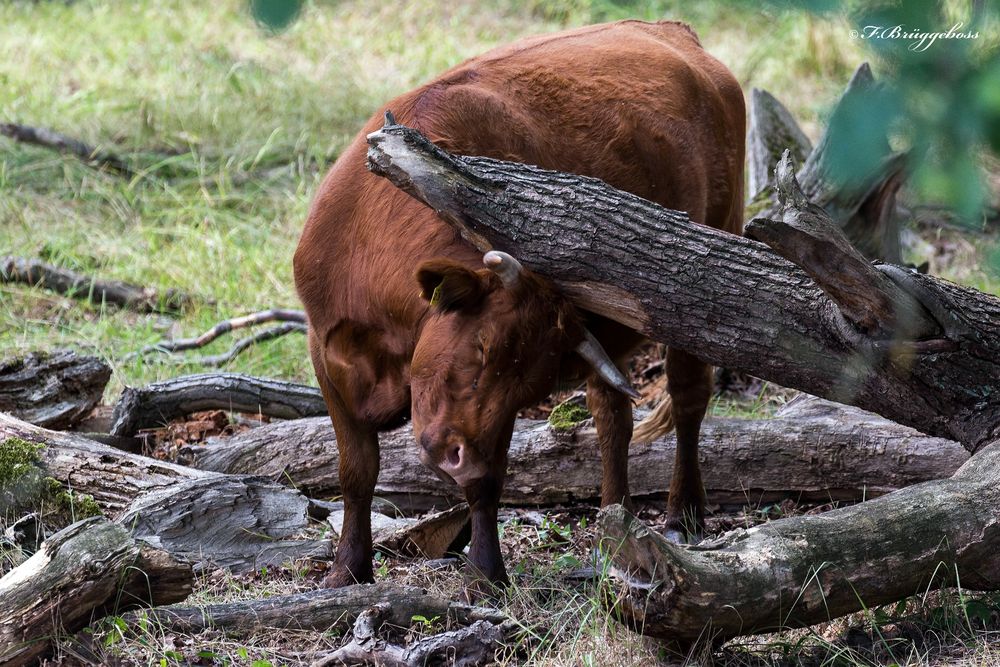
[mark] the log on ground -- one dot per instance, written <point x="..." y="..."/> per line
<point x="52" y="389"/>
<point x="813" y="450"/>
<point x="207" y="518"/>
<point x="804" y="570"/>
<point x="37" y="273"/>
<point x="322" y="609"/>
<point x="159" y="402"/>
<point x="87" y="570"/>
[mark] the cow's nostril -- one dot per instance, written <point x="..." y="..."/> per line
<point x="455" y="456"/>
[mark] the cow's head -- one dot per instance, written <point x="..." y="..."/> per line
<point x="493" y="343"/>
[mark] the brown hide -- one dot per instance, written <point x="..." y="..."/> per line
<point x="639" y="105"/>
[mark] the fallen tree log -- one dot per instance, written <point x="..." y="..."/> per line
<point x="206" y="518"/>
<point x="85" y="571"/>
<point x="771" y="130"/>
<point x="52" y="389"/>
<point x="159" y="402"/>
<point x="732" y="301"/>
<point x="813" y="450"/>
<point x="804" y="570"/>
<point x="322" y="609"/>
<point x="37" y="273"/>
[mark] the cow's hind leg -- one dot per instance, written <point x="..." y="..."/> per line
<point x="612" y="412"/>
<point x="359" y="463"/>
<point x="689" y="383"/>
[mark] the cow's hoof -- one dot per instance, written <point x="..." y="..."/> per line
<point x="341" y="576"/>
<point x="678" y="534"/>
<point x="481" y="590"/>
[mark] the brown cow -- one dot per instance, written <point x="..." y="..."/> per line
<point x="403" y="319"/>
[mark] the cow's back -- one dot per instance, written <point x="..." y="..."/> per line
<point x="638" y="105"/>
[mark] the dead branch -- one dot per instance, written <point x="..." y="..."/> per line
<point x="89" y="569"/>
<point x="224" y="327"/>
<point x="37" y="273"/>
<point x="52" y="389"/>
<point x="159" y="402"/>
<point x="245" y="343"/>
<point x="92" y="156"/>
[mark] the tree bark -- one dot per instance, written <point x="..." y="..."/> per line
<point x="54" y="390"/>
<point x="805" y="570"/>
<point x="322" y="609"/>
<point x="47" y="138"/>
<point x="89" y="569"/>
<point x="37" y="273"/>
<point x="729" y="300"/>
<point x="159" y="402"/>
<point x="237" y="522"/>
<point x="812" y="450"/>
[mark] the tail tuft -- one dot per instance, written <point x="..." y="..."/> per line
<point x="659" y="422"/>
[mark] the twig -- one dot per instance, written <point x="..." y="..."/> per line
<point x="270" y="315"/>
<point x="41" y="136"/>
<point x="242" y="344"/>
<point x="35" y="272"/>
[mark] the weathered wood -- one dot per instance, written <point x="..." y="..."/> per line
<point x="729" y="300"/>
<point x="471" y="646"/>
<point x="238" y="523"/>
<point x="159" y="402"/>
<point x="804" y="570"/>
<point x="207" y="518"/>
<point x="833" y="452"/>
<point x="52" y="389"/>
<point x="323" y="609"/>
<point x="37" y="273"/>
<point x="82" y="572"/>
<point x="224" y="327"/>
<point x="771" y="131"/>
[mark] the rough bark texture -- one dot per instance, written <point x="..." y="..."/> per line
<point x="159" y="402"/>
<point x="78" y="573"/>
<point x="323" y="609"/>
<point x="237" y="522"/>
<point x="52" y="389"/>
<point x="37" y="273"/>
<point x="729" y="300"/>
<point x="804" y="570"/>
<point x="812" y="450"/>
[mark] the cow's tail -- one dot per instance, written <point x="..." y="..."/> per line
<point x="659" y="422"/>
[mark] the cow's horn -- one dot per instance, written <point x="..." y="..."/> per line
<point x="505" y="266"/>
<point x="595" y="355"/>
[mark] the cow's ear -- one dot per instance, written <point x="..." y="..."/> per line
<point x="449" y="285"/>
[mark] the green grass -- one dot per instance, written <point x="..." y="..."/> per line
<point x="256" y="120"/>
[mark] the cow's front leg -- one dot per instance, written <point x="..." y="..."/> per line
<point x="485" y="568"/>
<point x="359" y="464"/>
